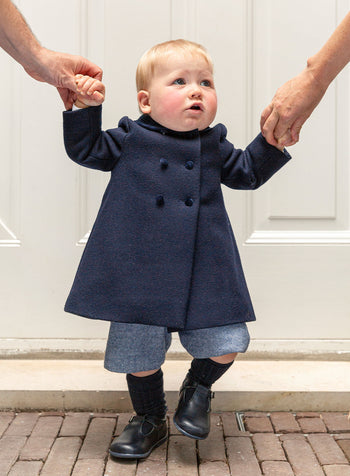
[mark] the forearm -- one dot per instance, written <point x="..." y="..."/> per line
<point x="16" y="38"/>
<point x="85" y="142"/>
<point x="333" y="56"/>
<point x="249" y="169"/>
<point x="81" y="130"/>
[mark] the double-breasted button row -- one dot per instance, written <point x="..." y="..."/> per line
<point x="164" y="164"/>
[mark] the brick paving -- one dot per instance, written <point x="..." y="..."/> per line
<point x="274" y="444"/>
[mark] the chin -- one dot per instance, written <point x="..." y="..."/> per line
<point x="194" y="125"/>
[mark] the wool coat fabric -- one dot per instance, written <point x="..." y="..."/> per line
<point x="162" y="251"/>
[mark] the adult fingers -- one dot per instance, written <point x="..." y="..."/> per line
<point x="264" y="115"/>
<point x="283" y="125"/>
<point x="268" y="128"/>
<point x="296" y="128"/>
<point x="67" y="67"/>
<point x="286" y="140"/>
<point x="88" y="68"/>
<point x="67" y="97"/>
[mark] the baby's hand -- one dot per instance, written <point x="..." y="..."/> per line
<point x="90" y="91"/>
<point x="280" y="143"/>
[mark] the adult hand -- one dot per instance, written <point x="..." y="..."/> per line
<point x="282" y="120"/>
<point x="59" y="69"/>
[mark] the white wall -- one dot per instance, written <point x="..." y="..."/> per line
<point x="294" y="233"/>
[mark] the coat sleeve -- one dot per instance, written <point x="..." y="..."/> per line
<point x="250" y="168"/>
<point x="85" y="142"/>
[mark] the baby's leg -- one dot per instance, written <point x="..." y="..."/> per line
<point x="139" y="351"/>
<point x="147" y="394"/>
<point x="225" y="359"/>
<point x="214" y="351"/>
<point x="145" y="373"/>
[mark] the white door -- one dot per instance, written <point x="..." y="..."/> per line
<point x="293" y="234"/>
<point x="297" y="237"/>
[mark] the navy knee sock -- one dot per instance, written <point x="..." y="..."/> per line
<point x="206" y="371"/>
<point x="147" y="394"/>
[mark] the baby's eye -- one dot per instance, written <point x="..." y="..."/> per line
<point x="206" y="83"/>
<point x="179" y="81"/>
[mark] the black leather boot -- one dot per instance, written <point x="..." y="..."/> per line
<point x="142" y="435"/>
<point x="192" y="416"/>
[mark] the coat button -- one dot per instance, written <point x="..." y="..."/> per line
<point x="189" y="202"/>
<point x="163" y="163"/>
<point x="160" y="201"/>
<point x="189" y="165"/>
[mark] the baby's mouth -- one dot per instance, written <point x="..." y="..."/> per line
<point x="196" y="107"/>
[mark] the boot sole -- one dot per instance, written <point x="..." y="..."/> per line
<point x="138" y="456"/>
<point x="195" y="437"/>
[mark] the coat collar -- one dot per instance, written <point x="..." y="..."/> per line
<point x="146" y="121"/>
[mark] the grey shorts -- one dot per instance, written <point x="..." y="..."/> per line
<point x="135" y="348"/>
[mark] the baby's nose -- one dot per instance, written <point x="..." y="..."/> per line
<point x="196" y="91"/>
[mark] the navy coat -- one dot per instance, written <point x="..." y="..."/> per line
<point x="161" y="250"/>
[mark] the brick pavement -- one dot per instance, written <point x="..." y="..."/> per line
<point x="275" y="444"/>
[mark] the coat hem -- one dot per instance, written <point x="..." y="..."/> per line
<point x="170" y="328"/>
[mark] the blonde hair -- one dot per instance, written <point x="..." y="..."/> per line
<point x="149" y="60"/>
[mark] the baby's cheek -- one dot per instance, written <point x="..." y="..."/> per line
<point x="213" y="104"/>
<point x="172" y="102"/>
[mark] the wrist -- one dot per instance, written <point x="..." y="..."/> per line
<point x="318" y="73"/>
<point x="37" y="64"/>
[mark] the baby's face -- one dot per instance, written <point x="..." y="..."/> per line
<point x="181" y="95"/>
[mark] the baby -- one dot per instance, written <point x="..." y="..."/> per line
<point x="162" y="256"/>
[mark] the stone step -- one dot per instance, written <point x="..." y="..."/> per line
<point x="85" y="385"/>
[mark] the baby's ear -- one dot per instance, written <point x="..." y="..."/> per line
<point x="143" y="100"/>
